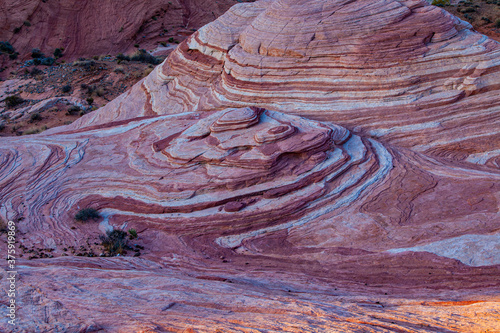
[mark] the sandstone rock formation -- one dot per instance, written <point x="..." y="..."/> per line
<point x="403" y="71"/>
<point x="278" y="182"/>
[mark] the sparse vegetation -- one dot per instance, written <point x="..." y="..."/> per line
<point x="35" y="117"/>
<point x="73" y="110"/>
<point x="36" y="71"/>
<point x="58" y="53"/>
<point x="87" y="214"/>
<point x="13" y="101"/>
<point x="115" y="242"/>
<point x="36" y="53"/>
<point x="66" y="88"/>
<point x="145" y="57"/>
<point x="441" y="3"/>
<point x="86" y="64"/>
<point x="6" y="47"/>
<point x="34" y="130"/>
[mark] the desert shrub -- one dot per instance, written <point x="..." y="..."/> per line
<point x="86" y="64"/>
<point x="469" y="10"/>
<point x="17" y="30"/>
<point x="58" y="53"/>
<point x="145" y="57"/>
<point x="47" y="61"/>
<point x="87" y="214"/>
<point x="115" y="242"/>
<point x="36" y="71"/>
<point x="73" y="110"/>
<point x="119" y="69"/>
<point x="122" y="57"/>
<point x="2" y="127"/>
<point x="66" y="88"/>
<point x="35" y="117"/>
<point x="6" y="47"/>
<point x="27" y="23"/>
<point x="100" y="92"/>
<point x="13" y="56"/>
<point x="32" y="131"/>
<point x="13" y="101"/>
<point x="497" y="24"/>
<point x="441" y="3"/>
<point x="36" y="54"/>
<point x="90" y="100"/>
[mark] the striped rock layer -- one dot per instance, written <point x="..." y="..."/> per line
<point x="403" y="71"/>
<point x="319" y="166"/>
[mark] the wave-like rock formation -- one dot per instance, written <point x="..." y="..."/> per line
<point x="319" y="166"/>
<point x="252" y="220"/>
<point x="403" y="71"/>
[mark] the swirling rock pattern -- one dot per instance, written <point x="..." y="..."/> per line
<point x="257" y="208"/>
<point x="402" y="71"/>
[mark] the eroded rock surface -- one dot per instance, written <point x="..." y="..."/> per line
<point x="403" y="71"/>
<point x="292" y="167"/>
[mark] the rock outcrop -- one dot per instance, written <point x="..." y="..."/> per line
<point x="326" y="166"/>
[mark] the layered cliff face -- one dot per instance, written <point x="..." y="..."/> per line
<point x="292" y="167"/>
<point x="87" y="28"/>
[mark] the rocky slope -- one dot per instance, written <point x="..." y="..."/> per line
<point x="87" y="28"/>
<point x="319" y="166"/>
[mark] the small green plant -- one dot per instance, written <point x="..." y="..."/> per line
<point x="13" y="101"/>
<point x="133" y="233"/>
<point x="86" y="214"/>
<point x="27" y="23"/>
<point x="136" y="45"/>
<point x="90" y="100"/>
<point x="115" y="242"/>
